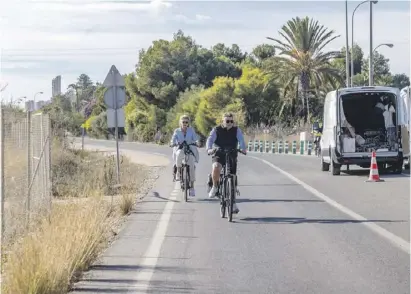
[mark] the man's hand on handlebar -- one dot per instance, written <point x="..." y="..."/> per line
<point x="214" y="150"/>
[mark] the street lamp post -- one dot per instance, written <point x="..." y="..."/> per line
<point x="373" y="51"/>
<point x="352" y="37"/>
<point x="347" y="49"/>
<point x="371" y="59"/>
<point x="20" y="99"/>
<point x="34" y="102"/>
<point x="383" y="44"/>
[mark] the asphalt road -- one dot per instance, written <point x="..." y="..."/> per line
<point x="299" y="230"/>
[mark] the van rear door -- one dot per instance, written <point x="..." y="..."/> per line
<point x="384" y="153"/>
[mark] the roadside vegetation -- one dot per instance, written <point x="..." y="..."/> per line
<point x="86" y="213"/>
<point x="280" y="84"/>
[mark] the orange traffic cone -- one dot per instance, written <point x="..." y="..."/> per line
<point x="374" y="175"/>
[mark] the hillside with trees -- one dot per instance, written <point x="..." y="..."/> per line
<point x="279" y="84"/>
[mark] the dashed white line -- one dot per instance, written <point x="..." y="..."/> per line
<point x="153" y="251"/>
<point x="394" y="239"/>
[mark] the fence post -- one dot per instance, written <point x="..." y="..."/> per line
<point x="294" y="147"/>
<point x="29" y="158"/>
<point x="2" y="191"/>
<point x="280" y="147"/>
<point x="273" y="147"/>
<point x="49" y="142"/>
<point x="302" y="147"/>
<point x="43" y="163"/>
<point x="286" y="147"/>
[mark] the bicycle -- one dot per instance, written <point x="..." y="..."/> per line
<point x="185" y="182"/>
<point x="226" y="187"/>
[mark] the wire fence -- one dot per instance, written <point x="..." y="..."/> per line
<point x="25" y="172"/>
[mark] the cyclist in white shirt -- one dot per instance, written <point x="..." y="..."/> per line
<point x="187" y="134"/>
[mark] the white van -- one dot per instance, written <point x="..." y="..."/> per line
<point x="358" y="121"/>
<point x="405" y="132"/>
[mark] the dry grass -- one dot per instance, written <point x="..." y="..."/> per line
<point x="127" y="203"/>
<point x="82" y="220"/>
<point x="77" y="173"/>
<point x="46" y="260"/>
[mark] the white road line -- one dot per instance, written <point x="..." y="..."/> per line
<point x="394" y="239"/>
<point x="153" y="251"/>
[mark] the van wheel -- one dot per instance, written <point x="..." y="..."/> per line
<point x="324" y="166"/>
<point x="382" y="168"/>
<point x="335" y="169"/>
<point x="397" y="168"/>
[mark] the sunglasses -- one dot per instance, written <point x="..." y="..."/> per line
<point x="229" y="121"/>
<point x="185" y="122"/>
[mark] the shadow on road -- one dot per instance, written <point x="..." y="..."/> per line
<point x="366" y="172"/>
<point x="239" y="200"/>
<point x="302" y="220"/>
<point x="157" y="195"/>
<point x="269" y="185"/>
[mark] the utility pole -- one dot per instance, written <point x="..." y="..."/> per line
<point x="347" y="49"/>
<point x="371" y="59"/>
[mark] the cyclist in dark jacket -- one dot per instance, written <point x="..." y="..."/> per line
<point x="224" y="136"/>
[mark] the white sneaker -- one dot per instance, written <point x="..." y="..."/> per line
<point x="213" y="192"/>
<point x="235" y="208"/>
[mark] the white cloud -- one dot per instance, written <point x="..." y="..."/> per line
<point x="100" y="6"/>
<point x="198" y="19"/>
<point x="202" y="17"/>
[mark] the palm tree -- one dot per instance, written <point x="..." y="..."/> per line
<point x="304" y="67"/>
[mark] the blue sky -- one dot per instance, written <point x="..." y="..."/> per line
<point x="42" y="39"/>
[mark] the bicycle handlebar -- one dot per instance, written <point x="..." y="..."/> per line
<point x="184" y="143"/>
<point x="214" y="150"/>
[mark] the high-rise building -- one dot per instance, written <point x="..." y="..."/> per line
<point x="56" y="86"/>
<point x="40" y="104"/>
<point x="34" y="106"/>
<point x="29" y="105"/>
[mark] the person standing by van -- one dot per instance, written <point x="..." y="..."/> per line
<point x="317" y="133"/>
<point x="389" y="110"/>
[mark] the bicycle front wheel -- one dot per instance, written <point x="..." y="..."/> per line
<point x="186" y="182"/>
<point x="223" y="203"/>
<point x="230" y="198"/>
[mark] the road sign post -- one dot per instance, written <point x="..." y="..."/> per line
<point x="115" y="98"/>
<point x="82" y="137"/>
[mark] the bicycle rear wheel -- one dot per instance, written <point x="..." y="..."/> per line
<point x="230" y="198"/>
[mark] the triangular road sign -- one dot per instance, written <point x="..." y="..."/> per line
<point x="114" y="78"/>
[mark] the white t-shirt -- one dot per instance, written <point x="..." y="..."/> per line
<point x="388" y="116"/>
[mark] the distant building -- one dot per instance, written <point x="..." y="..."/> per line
<point x="56" y="86"/>
<point x="34" y="106"/>
<point x="29" y="105"/>
<point x="40" y="104"/>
